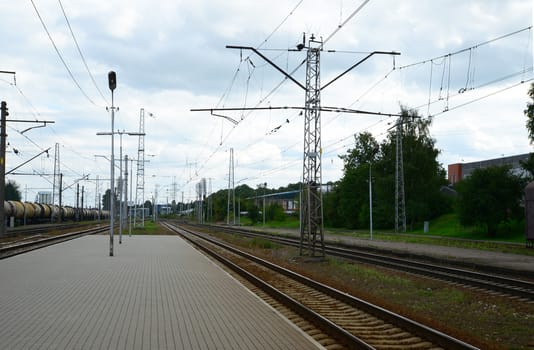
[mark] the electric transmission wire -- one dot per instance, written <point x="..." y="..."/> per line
<point x="61" y="57"/>
<point x="447" y="57"/>
<point x="80" y="52"/>
<point x="227" y="91"/>
<point x="346" y="21"/>
<point x="33" y="110"/>
<point x="483" y="97"/>
<point x="245" y="116"/>
<point x="234" y="77"/>
<point x="280" y="25"/>
<point x="466" y="49"/>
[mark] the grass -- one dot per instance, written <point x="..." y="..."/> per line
<point x="449" y="226"/>
<point x="445" y="230"/>
<point x="487" y="321"/>
<point x="150" y="228"/>
<point x="290" y="222"/>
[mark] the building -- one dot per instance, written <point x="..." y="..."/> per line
<point x="44" y="197"/>
<point x="457" y="172"/>
<point x="287" y="200"/>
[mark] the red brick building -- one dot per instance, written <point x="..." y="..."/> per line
<point x="458" y="171"/>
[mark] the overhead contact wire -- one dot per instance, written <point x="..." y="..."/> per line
<point x="61" y="57"/>
<point x="80" y="52"/>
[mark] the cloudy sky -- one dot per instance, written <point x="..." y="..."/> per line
<point x="467" y="63"/>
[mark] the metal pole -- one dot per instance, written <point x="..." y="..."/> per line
<point x="370" y="203"/>
<point x="125" y="203"/>
<point x="131" y="195"/>
<point x="77" y="217"/>
<point x="264" y="187"/>
<point x="112" y="82"/>
<point x="120" y="187"/>
<point x="60" y="195"/>
<point x="83" y="193"/>
<point x="3" y="136"/>
<point x="112" y="184"/>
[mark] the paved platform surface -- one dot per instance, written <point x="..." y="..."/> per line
<point x="157" y="292"/>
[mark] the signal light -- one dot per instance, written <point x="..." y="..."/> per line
<point x="112" y="80"/>
<point x="4" y="109"/>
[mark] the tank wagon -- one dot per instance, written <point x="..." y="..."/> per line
<point x="39" y="212"/>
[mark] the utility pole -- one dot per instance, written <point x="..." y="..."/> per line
<point x="77" y="217"/>
<point x="311" y="208"/>
<point x="3" y="135"/>
<point x="140" y="182"/>
<point x="263" y="211"/>
<point x="231" y="192"/>
<point x="55" y="185"/>
<point x="83" y="193"/>
<point x="125" y="203"/>
<point x="60" y="197"/>
<point x="400" y="204"/>
<point x="210" y="201"/>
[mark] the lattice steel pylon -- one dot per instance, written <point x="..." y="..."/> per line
<point x="140" y="182"/>
<point x="311" y="206"/>
<point x="311" y="201"/>
<point x="400" y="203"/>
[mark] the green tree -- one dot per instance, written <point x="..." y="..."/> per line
<point x="529" y="113"/>
<point x="105" y="200"/>
<point x="274" y="211"/>
<point x="423" y="174"/>
<point x="488" y="197"/>
<point x="12" y="191"/>
<point x="350" y="196"/>
<point x="423" y="177"/>
<point x="331" y="207"/>
<point x="254" y="214"/>
<point x="528" y="165"/>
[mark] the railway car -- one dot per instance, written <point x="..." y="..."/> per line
<point x="30" y="213"/>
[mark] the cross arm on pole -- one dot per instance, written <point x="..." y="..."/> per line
<point x="235" y="122"/>
<point x="360" y="62"/>
<point x="29" y="160"/>
<point x="84" y="177"/>
<point x="287" y="75"/>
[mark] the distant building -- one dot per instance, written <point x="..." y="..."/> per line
<point x="44" y="197"/>
<point x="287" y="200"/>
<point x="457" y="172"/>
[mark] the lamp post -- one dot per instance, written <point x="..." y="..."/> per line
<point x="112" y="82"/>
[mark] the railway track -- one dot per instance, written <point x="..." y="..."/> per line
<point x="506" y="286"/>
<point x="348" y="322"/>
<point x="37" y="242"/>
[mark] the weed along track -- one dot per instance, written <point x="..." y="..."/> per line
<point x="486" y="282"/>
<point x="336" y="320"/>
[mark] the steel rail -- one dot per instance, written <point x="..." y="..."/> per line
<point x="416" y="328"/>
<point x="20" y="248"/>
<point x="491" y="282"/>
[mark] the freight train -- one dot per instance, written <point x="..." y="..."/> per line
<point x="39" y="212"/>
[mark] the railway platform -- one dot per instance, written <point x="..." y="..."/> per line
<point x="157" y="292"/>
